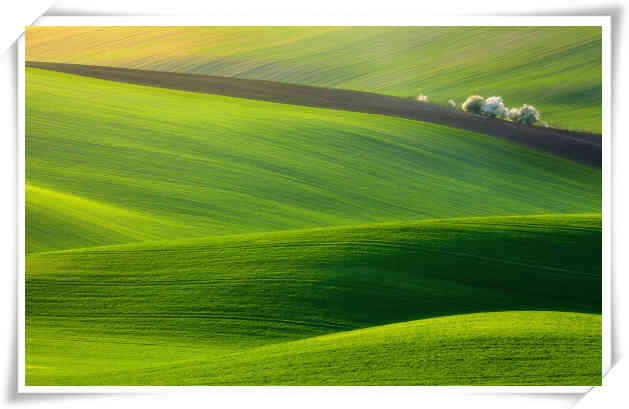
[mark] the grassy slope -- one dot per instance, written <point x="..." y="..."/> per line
<point x="500" y="348"/>
<point x="557" y="69"/>
<point x="173" y="312"/>
<point x="113" y="163"/>
<point x="63" y="220"/>
<point x="504" y="348"/>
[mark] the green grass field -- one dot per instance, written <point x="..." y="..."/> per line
<point x="200" y="301"/>
<point x="557" y="69"/>
<point x="113" y="163"/>
<point x="179" y="238"/>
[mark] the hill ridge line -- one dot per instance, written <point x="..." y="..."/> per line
<point x="581" y="147"/>
<point x="254" y="235"/>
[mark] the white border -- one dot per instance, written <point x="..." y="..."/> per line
<point x="301" y="20"/>
<point x="606" y="206"/>
<point x="21" y="215"/>
<point x="404" y="20"/>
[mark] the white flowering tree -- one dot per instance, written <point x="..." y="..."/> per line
<point x="494" y="107"/>
<point x="528" y="114"/>
<point x="473" y="104"/>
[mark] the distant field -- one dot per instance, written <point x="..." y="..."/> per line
<point x="111" y="163"/>
<point x="557" y="69"/>
<point x="255" y="309"/>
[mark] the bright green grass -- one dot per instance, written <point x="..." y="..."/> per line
<point x="175" y="312"/>
<point x="557" y="69"/>
<point x="502" y="348"/>
<point x="57" y="219"/>
<point x="112" y="163"/>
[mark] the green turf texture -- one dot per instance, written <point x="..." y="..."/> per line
<point x="556" y="69"/>
<point x="112" y="163"/>
<point x="312" y="307"/>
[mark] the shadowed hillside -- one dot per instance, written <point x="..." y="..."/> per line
<point x="207" y="298"/>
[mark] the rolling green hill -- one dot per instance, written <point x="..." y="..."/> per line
<point x="111" y="163"/>
<point x="557" y="69"/>
<point x="256" y="308"/>
<point x="501" y="348"/>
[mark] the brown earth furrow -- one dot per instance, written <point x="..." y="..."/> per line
<point x="580" y="147"/>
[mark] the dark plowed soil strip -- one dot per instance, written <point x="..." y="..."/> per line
<point x="581" y="147"/>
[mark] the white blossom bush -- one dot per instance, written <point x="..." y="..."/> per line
<point x="513" y="114"/>
<point x="494" y="107"/>
<point x="473" y="104"/>
<point x="528" y="114"/>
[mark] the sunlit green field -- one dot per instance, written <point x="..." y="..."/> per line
<point x="114" y="163"/>
<point x="557" y="69"/>
<point x="179" y="238"/>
